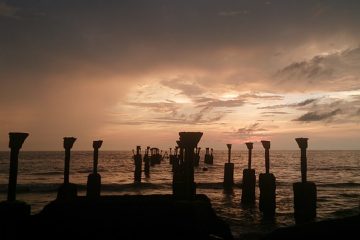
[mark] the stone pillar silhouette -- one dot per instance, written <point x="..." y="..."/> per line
<point x="305" y="193"/>
<point x="15" y="144"/>
<point x="248" y="180"/>
<point x="94" y="179"/>
<point x="67" y="191"/>
<point x="197" y="157"/>
<point x="208" y="157"/>
<point x="14" y="214"/>
<point x="138" y="162"/>
<point x="267" y="185"/>
<point x="184" y="186"/>
<point x="12" y="209"/>
<point x="170" y="156"/>
<point x="229" y="171"/>
<point x="147" y="162"/>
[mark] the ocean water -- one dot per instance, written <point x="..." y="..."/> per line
<point x="336" y="174"/>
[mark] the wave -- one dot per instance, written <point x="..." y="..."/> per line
<point x="339" y="185"/>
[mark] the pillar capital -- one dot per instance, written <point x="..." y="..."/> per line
<point x="190" y="139"/>
<point x="302" y="142"/>
<point x="17" y="139"/>
<point x="266" y="144"/>
<point x="97" y="144"/>
<point x="249" y="145"/>
<point x="229" y="146"/>
<point x="69" y="142"/>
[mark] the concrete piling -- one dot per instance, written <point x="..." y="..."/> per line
<point x="138" y="163"/>
<point x="267" y="185"/>
<point x="229" y="171"/>
<point x="305" y="193"/>
<point x="248" y="180"/>
<point x="67" y="191"/>
<point x="94" y="179"/>
<point x="184" y="186"/>
<point x="147" y="162"/>
<point x="12" y="209"/>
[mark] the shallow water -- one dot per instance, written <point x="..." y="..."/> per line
<point x="336" y="174"/>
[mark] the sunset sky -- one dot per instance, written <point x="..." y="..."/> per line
<point x="138" y="72"/>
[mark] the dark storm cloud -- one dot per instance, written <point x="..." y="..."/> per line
<point x="333" y="110"/>
<point x="7" y="10"/>
<point x="336" y="71"/>
<point x="132" y="36"/>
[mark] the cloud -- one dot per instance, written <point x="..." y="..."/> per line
<point x="315" y="116"/>
<point x="291" y="105"/>
<point x="232" y="13"/>
<point x="8" y="11"/>
<point x="339" y="71"/>
<point x="275" y="112"/>
<point x="186" y="88"/>
<point x="251" y="131"/>
<point x="334" y="110"/>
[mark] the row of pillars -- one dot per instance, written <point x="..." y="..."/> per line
<point x="184" y="185"/>
<point x="304" y="191"/>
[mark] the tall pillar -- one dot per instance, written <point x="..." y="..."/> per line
<point x="138" y="164"/>
<point x="185" y="186"/>
<point x="228" y="171"/>
<point x="94" y="179"/>
<point x="15" y="144"/>
<point x="267" y="185"/>
<point x="13" y="212"/>
<point x="67" y="191"/>
<point x="147" y="162"/>
<point x="249" y="180"/>
<point x="305" y="193"/>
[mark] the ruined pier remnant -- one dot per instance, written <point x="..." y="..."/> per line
<point x="267" y="185"/>
<point x="147" y="162"/>
<point x="249" y="180"/>
<point x="94" y="179"/>
<point x="197" y="157"/>
<point x="209" y="157"/>
<point x="11" y="208"/>
<point x="304" y="192"/>
<point x="184" y="185"/>
<point x="229" y="171"/>
<point x="138" y="163"/>
<point x="67" y="191"/>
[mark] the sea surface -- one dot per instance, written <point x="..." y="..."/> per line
<point x="336" y="174"/>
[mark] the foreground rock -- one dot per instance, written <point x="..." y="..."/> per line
<point x="124" y="217"/>
<point x="343" y="228"/>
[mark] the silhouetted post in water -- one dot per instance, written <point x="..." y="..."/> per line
<point x="147" y="162"/>
<point x="249" y="180"/>
<point x="304" y="191"/>
<point x="171" y="156"/>
<point x="267" y="185"/>
<point x="13" y="209"/>
<point x="175" y="159"/>
<point x="209" y="157"/>
<point x="229" y="171"/>
<point x="197" y="157"/>
<point x="185" y="187"/>
<point x="15" y="143"/>
<point x="137" y="161"/>
<point x="67" y="190"/>
<point x="94" y="179"/>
